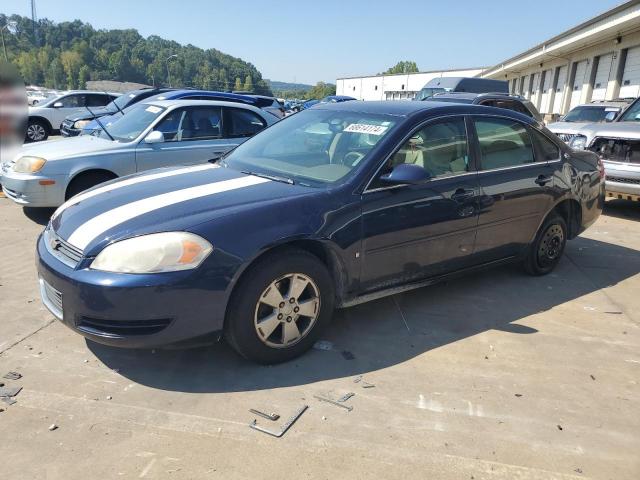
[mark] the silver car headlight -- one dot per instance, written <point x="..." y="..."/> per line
<point x="154" y="253"/>
<point x="80" y="124"/>
<point x="29" y="164"/>
<point x="579" y="142"/>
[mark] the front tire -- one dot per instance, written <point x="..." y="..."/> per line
<point x="37" y="131"/>
<point x="547" y="248"/>
<point x="87" y="180"/>
<point x="280" y="307"/>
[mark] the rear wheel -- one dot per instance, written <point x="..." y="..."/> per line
<point x="87" y="180"/>
<point x="37" y="131"/>
<point x="546" y="250"/>
<point x="280" y="307"/>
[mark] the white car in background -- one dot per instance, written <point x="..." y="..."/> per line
<point x="582" y="115"/>
<point x="151" y="135"/>
<point x="47" y="115"/>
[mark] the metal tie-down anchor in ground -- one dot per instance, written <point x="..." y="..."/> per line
<point x="284" y="428"/>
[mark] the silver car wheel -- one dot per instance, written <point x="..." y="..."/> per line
<point x="287" y="310"/>
<point x="36" y="132"/>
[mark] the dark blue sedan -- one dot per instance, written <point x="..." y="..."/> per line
<point x="337" y="205"/>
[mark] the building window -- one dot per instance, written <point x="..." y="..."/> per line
<point x="354" y="89"/>
<point x="376" y="87"/>
<point x="402" y="87"/>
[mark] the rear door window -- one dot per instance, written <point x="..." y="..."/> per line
<point x="503" y="143"/>
<point x="243" y="123"/>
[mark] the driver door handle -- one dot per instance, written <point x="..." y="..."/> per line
<point x="542" y="180"/>
<point x="463" y="194"/>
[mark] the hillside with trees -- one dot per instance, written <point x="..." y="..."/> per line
<point x="68" y="54"/>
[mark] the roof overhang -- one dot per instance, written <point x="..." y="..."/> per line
<point x="614" y="23"/>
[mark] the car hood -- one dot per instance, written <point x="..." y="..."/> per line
<point x="613" y="129"/>
<point x="169" y="199"/>
<point x="571" y="128"/>
<point x="53" y="150"/>
<point x="105" y="120"/>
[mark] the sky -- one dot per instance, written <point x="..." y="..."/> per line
<point x="306" y="42"/>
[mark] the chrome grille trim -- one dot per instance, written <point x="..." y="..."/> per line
<point x="51" y="298"/>
<point x="566" y="137"/>
<point x="63" y="251"/>
<point x="632" y="181"/>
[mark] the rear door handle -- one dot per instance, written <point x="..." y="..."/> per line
<point x="542" y="180"/>
<point x="463" y="194"/>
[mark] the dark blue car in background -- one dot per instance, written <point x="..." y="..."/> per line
<point x="169" y="94"/>
<point x="337" y="205"/>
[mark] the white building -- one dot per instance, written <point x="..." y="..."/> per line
<point x="402" y="86"/>
<point x="597" y="60"/>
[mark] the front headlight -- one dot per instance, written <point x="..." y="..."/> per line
<point x="154" y="253"/>
<point x="579" y="142"/>
<point x="29" y="164"/>
<point x="80" y="124"/>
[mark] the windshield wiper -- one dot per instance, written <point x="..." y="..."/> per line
<point x="100" y="123"/>
<point x="270" y="177"/>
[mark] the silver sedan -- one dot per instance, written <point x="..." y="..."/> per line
<point x="151" y="135"/>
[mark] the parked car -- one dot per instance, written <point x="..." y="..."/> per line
<point x="46" y="116"/>
<point x="334" y="206"/>
<point x="185" y="94"/>
<point x="336" y="99"/>
<point x="34" y="97"/>
<point x="309" y="104"/>
<point x="501" y="100"/>
<point x="269" y="104"/>
<point x="151" y="135"/>
<point x="595" y="112"/>
<point x="73" y="124"/>
<point x="461" y="84"/>
<point x="617" y="144"/>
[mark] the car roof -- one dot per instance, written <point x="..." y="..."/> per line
<point x="404" y="108"/>
<point x="196" y="103"/>
<point x="603" y="103"/>
<point x="182" y="93"/>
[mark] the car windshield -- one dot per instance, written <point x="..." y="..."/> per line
<point x="130" y="126"/>
<point x="121" y="102"/>
<point x="589" y="114"/>
<point x="428" y="92"/>
<point x="314" y="148"/>
<point x="632" y="114"/>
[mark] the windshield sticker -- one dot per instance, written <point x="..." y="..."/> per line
<point x="364" y="128"/>
<point x="152" y="109"/>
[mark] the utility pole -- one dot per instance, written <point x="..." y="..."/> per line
<point x="168" y="72"/>
<point x="34" y="21"/>
<point x="9" y="26"/>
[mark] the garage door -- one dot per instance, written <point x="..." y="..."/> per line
<point x="525" y="86"/>
<point x="546" y="91"/>
<point x="535" y="89"/>
<point x="559" y="96"/>
<point x="603" y="73"/>
<point x="631" y="77"/>
<point x="578" y="81"/>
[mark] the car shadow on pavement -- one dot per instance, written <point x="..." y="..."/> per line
<point x="41" y="216"/>
<point x="622" y="209"/>
<point x="391" y="330"/>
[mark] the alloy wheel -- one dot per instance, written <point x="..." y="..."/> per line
<point x="287" y="310"/>
<point x="36" y="132"/>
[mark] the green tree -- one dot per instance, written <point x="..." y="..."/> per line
<point x="83" y="76"/>
<point x="238" y="85"/>
<point x="71" y="63"/>
<point x="404" y="66"/>
<point x="248" y="84"/>
<point x="321" y="90"/>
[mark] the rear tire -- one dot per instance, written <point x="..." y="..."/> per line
<point x="37" y="131"/>
<point x="85" y="181"/>
<point x="280" y="307"/>
<point x="547" y="248"/>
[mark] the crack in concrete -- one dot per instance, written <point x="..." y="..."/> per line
<point x="18" y="342"/>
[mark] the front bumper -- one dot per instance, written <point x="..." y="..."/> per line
<point x="25" y="189"/>
<point x="132" y="311"/>
<point x="67" y="130"/>
<point x="622" y="180"/>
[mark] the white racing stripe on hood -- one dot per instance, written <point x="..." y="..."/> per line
<point x="125" y="183"/>
<point x="88" y="231"/>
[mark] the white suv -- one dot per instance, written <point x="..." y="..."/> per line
<point x="46" y="117"/>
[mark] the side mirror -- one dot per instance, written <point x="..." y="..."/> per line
<point x="58" y="105"/>
<point x="154" y="137"/>
<point x="406" y="174"/>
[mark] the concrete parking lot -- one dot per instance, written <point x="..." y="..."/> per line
<point x="497" y="375"/>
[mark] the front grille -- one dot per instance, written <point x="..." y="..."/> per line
<point x="63" y="251"/>
<point x="566" y="137"/>
<point x="51" y="298"/>
<point x="126" y="328"/>
<point x="616" y="149"/>
<point x="630" y="181"/>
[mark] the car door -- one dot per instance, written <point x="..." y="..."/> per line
<point x="65" y="106"/>
<point x="516" y="186"/>
<point x="416" y="231"/>
<point x="194" y="134"/>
